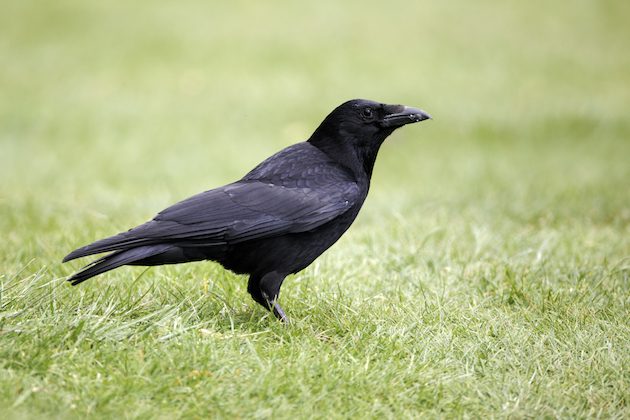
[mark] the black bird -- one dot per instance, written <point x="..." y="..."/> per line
<point x="278" y="218"/>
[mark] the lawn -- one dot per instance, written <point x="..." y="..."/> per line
<point x="488" y="274"/>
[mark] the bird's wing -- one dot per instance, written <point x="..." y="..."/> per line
<point x="251" y="210"/>
<point x="244" y="210"/>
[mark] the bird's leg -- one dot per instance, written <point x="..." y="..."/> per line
<point x="253" y="287"/>
<point x="269" y="289"/>
<point x="264" y="290"/>
<point x="275" y="308"/>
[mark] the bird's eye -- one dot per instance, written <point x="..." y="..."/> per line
<point x="367" y="112"/>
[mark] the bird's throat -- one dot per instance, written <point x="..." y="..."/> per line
<point x="356" y="155"/>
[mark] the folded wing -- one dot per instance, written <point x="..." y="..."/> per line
<point x="242" y="211"/>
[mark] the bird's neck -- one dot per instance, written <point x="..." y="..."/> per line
<point x="359" y="160"/>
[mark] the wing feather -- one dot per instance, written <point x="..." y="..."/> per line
<point x="250" y="210"/>
<point x="294" y="191"/>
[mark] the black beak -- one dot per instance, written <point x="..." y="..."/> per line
<point x="399" y="115"/>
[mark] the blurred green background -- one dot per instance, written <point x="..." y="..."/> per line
<point x="103" y="101"/>
<point x="110" y="111"/>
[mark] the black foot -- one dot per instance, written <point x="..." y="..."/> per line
<point x="265" y="291"/>
<point x="276" y="309"/>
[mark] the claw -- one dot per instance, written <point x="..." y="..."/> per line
<point x="279" y="313"/>
<point x="276" y="309"/>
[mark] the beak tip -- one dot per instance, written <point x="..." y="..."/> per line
<point x="417" y="114"/>
<point x="404" y="115"/>
<point x="422" y="115"/>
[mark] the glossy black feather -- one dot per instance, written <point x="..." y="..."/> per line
<point x="269" y="201"/>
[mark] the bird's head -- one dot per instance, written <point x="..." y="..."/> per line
<point x="356" y="129"/>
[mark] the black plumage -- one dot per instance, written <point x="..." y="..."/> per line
<point x="278" y="218"/>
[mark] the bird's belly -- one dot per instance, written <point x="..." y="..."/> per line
<point x="287" y="253"/>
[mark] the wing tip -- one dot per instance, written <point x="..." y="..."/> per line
<point x="73" y="255"/>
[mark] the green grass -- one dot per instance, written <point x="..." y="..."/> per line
<point x="487" y="275"/>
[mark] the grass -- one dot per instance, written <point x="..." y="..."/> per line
<point x="487" y="275"/>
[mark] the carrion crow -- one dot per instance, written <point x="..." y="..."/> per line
<point x="278" y="218"/>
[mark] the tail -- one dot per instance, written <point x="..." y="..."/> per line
<point x="116" y="259"/>
<point x="122" y="241"/>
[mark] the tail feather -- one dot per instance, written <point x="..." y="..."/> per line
<point x="113" y="243"/>
<point x="117" y="259"/>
